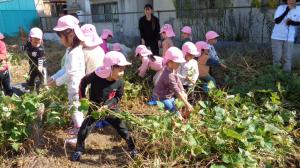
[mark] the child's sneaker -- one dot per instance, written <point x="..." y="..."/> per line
<point x="133" y="153"/>
<point x="76" y="156"/>
<point x="152" y="103"/>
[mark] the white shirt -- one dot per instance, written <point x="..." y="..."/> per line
<point x="281" y="31"/>
<point x="72" y="72"/>
<point x="93" y="58"/>
<point x="189" y="69"/>
<point x="212" y="53"/>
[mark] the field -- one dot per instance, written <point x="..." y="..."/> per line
<point x="252" y="120"/>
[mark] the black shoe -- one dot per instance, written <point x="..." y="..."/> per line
<point x="76" y="156"/>
<point x="133" y="153"/>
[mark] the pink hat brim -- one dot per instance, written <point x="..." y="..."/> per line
<point x="103" y="71"/>
<point x="93" y="40"/>
<point x="79" y="33"/>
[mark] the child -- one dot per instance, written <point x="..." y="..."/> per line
<point x="169" y="83"/>
<point x="204" y="63"/>
<point x="71" y="36"/>
<point x="93" y="53"/>
<point x="186" y="35"/>
<point x="4" y="72"/>
<point x="189" y="70"/>
<point x="35" y="52"/>
<point x="211" y="39"/>
<point x="121" y="48"/>
<point x="106" y="36"/>
<point x="148" y="62"/>
<point x="107" y="89"/>
<point x="167" y="33"/>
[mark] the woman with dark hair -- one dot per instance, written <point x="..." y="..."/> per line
<point x="287" y="16"/>
<point x="149" y="29"/>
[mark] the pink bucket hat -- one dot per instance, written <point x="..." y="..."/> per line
<point x="36" y="33"/>
<point x="110" y="59"/>
<point x="91" y="37"/>
<point x="187" y="30"/>
<point x="201" y="45"/>
<point x="117" y="47"/>
<point x="167" y="28"/>
<point x="173" y="54"/>
<point x="189" y="47"/>
<point x="1" y="36"/>
<point x="142" y="50"/>
<point x="211" y="35"/>
<point x="106" y="33"/>
<point x="69" y="22"/>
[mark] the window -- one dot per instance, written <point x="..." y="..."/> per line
<point x="105" y="12"/>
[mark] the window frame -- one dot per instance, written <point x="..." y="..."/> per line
<point x="108" y="14"/>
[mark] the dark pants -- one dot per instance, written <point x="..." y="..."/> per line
<point x="5" y="82"/>
<point x="33" y="73"/>
<point x="153" y="46"/>
<point x="89" y="123"/>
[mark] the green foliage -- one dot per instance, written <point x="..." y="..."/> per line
<point x="18" y="114"/>
<point x="132" y="90"/>
<point x="241" y="131"/>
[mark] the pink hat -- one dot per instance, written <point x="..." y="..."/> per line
<point x="91" y="37"/>
<point x="1" y="36"/>
<point x="201" y="45"/>
<point x="106" y="33"/>
<point x="189" y="47"/>
<point x="167" y="28"/>
<point x="36" y="33"/>
<point x="211" y="35"/>
<point x="187" y="30"/>
<point x="117" y="47"/>
<point x="69" y="22"/>
<point x="110" y="59"/>
<point x="142" y="50"/>
<point x="173" y="54"/>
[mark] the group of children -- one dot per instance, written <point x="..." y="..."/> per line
<point x="89" y="61"/>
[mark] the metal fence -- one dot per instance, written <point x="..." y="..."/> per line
<point x="247" y="24"/>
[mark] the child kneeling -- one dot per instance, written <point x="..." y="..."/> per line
<point x="106" y="89"/>
<point x="169" y="83"/>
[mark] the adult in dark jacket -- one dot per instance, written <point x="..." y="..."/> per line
<point x="149" y="30"/>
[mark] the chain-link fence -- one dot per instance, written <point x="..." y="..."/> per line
<point x="245" y="24"/>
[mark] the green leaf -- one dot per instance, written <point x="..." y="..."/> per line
<point x="217" y="166"/>
<point x="16" y="146"/>
<point x="233" y="134"/>
<point x="84" y="105"/>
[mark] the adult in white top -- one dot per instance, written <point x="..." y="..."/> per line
<point x="287" y="16"/>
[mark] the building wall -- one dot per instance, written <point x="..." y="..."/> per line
<point x="16" y="14"/>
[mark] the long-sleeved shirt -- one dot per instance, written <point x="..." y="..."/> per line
<point x="189" y="69"/>
<point x="36" y="54"/>
<point x="93" y="58"/>
<point x="149" y="30"/>
<point x="168" y="85"/>
<point x="72" y="71"/>
<point x="104" y="46"/>
<point x="3" y="57"/>
<point x="102" y="91"/>
<point x="149" y="64"/>
<point x="281" y="30"/>
<point x="213" y="53"/>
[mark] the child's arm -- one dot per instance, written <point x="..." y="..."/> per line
<point x="144" y="67"/>
<point x="83" y="84"/>
<point x="182" y="95"/>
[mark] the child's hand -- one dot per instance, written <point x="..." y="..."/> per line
<point x="51" y="82"/>
<point x="189" y="107"/>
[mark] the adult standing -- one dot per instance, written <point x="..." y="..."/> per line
<point x="287" y="16"/>
<point x="149" y="29"/>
